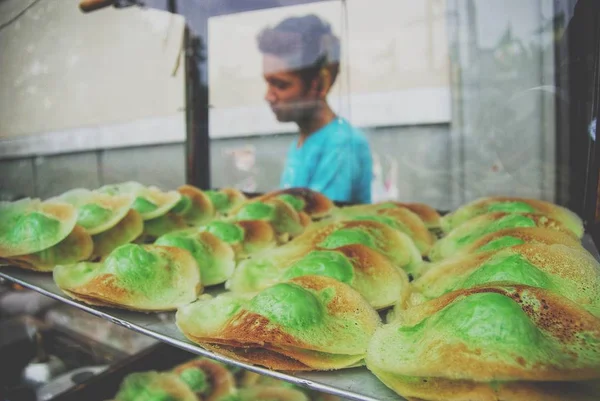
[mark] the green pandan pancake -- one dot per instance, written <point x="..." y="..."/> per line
<point x="150" y="202"/>
<point x="195" y="379"/>
<point x="256" y="211"/>
<point x="281" y="215"/>
<point x="322" y="263"/>
<point x="512" y="268"/>
<point x="183" y="206"/>
<point x="348" y="236"/>
<point x="195" y="206"/>
<point x="140" y="277"/>
<point x="154" y="386"/>
<point x="214" y="257"/>
<point x="513" y="205"/>
<point x="29" y="225"/>
<point x="297" y="203"/>
<point x="126" y="231"/>
<point x="288" y="305"/>
<point x="97" y="212"/>
<point x="220" y="200"/>
<point x="567" y="271"/>
<point x="500" y="243"/>
<point x="228" y="232"/>
<point x="315" y="320"/>
<point x="77" y="246"/>
<point x="507" y="335"/>
<point x="480" y="226"/>
<point x="144" y="206"/>
<point x="138" y="269"/>
<point x="399" y="218"/>
<point x="382" y="219"/>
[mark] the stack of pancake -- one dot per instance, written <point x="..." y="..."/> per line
<point x="207" y="380"/>
<point x="497" y="300"/>
<point x="509" y="309"/>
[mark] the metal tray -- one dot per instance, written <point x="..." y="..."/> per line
<point x="354" y="384"/>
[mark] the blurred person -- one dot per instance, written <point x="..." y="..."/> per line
<point x="301" y="61"/>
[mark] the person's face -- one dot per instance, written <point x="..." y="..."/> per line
<point x="288" y="95"/>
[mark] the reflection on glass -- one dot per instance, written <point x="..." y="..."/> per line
<point x="301" y="61"/>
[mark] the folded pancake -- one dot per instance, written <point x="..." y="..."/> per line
<point x="195" y="207"/>
<point x="208" y="379"/>
<point x="399" y="218"/>
<point x="245" y="237"/>
<point x="225" y="199"/>
<point x="137" y="277"/>
<point x="496" y="342"/>
<point x="313" y="203"/>
<point x="159" y="226"/>
<point x="513" y="205"/>
<point x="154" y="386"/>
<point x="76" y="247"/>
<point x="430" y="217"/>
<point x="150" y="201"/>
<point x="517" y="236"/>
<point x="307" y="323"/>
<point x="127" y="230"/>
<point x="281" y="215"/>
<point x="367" y="271"/>
<point x="570" y="272"/>
<point x="29" y="225"/>
<point x="214" y="257"/>
<point x="96" y="212"/>
<point x="268" y="267"/>
<point x="488" y="223"/>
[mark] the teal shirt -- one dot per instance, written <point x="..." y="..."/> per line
<point x="335" y="160"/>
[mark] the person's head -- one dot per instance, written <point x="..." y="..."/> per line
<point x="301" y="58"/>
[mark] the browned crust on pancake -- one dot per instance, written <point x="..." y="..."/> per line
<point x="220" y="378"/>
<point x="316" y="204"/>
<point x="170" y="222"/>
<point x="96" y="301"/>
<point x="258" y="356"/>
<point x="257" y="232"/>
<point x="103" y="290"/>
<point x="305" y="219"/>
<point x="529" y="235"/>
<point x="418" y="230"/>
<point x="439" y="389"/>
<point x="235" y="195"/>
<point x="60" y="211"/>
<point x="429" y="215"/>
<point x="251" y="328"/>
<point x="199" y="198"/>
<point x="557" y="316"/>
<point x="132" y="224"/>
<point x="78" y="238"/>
<point x="364" y="259"/>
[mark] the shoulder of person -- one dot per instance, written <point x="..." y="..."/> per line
<point x="346" y="133"/>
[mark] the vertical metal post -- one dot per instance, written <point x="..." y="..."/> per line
<point x="197" y="145"/>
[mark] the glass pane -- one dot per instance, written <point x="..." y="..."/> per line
<point x="457" y="98"/>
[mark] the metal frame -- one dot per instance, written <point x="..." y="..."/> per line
<point x="578" y="65"/>
<point x="353" y="384"/>
<point x="197" y="144"/>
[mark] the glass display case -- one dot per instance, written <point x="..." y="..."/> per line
<point x="436" y="103"/>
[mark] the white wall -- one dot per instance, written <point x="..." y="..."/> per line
<point x="65" y="73"/>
